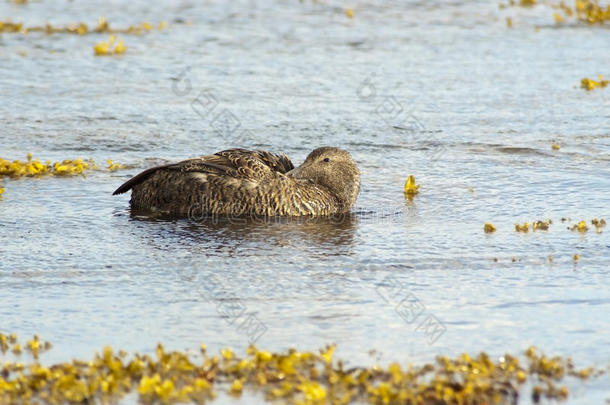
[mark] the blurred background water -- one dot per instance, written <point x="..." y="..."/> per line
<point x="442" y="90"/>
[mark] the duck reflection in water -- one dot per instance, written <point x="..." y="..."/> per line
<point x="214" y="231"/>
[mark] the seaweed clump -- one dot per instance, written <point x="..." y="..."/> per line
<point x="35" y="168"/>
<point x="291" y="377"/>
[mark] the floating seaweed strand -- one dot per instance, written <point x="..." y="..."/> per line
<point x="103" y="27"/>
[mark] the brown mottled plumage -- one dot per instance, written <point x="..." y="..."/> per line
<point x="243" y="182"/>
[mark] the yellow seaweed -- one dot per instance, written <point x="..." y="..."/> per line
<point x="79" y="28"/>
<point x="293" y="377"/>
<point x="580" y="227"/>
<point x="590" y="84"/>
<point x="489" y="227"/>
<point x="107" y="47"/>
<point x="410" y="187"/>
<point x="541" y="225"/>
<point x="522" y="228"/>
<point x="586" y="11"/>
<point x="35" y="168"/>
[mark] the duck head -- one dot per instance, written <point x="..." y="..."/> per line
<point x="334" y="169"/>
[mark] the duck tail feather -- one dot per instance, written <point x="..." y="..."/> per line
<point x="129" y="184"/>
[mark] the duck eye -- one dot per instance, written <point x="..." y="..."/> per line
<point x="327" y="160"/>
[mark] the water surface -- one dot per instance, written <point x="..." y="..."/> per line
<point x="445" y="92"/>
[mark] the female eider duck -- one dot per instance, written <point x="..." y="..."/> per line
<point x="244" y="182"/>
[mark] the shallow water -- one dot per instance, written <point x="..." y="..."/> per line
<point x="442" y="91"/>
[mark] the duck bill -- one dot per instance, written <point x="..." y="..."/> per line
<point x="299" y="172"/>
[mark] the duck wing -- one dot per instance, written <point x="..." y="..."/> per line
<point x="253" y="165"/>
<point x="236" y="163"/>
